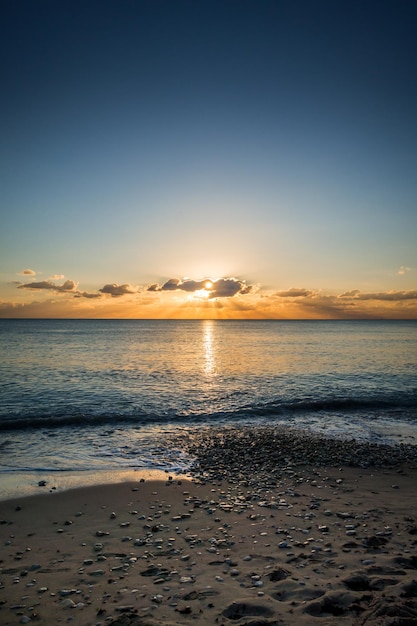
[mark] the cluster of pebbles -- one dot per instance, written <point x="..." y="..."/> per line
<point x="277" y="528"/>
<point x="263" y="452"/>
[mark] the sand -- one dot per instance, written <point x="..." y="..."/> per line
<point x="329" y="545"/>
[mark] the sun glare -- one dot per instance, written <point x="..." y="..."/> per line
<point x="201" y="293"/>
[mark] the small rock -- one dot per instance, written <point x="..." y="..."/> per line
<point x="97" y="572"/>
<point x="67" y="592"/>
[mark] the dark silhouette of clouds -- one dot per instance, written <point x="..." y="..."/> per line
<point x="220" y="288"/>
<point x="295" y="293"/>
<point x="68" y="286"/>
<point x="116" y="290"/>
<point x="229" y="287"/>
<point x="85" y="294"/>
<point x="389" y="296"/>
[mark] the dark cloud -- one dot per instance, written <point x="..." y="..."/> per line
<point x="68" y="286"/>
<point x="220" y="288"/>
<point x="388" y="296"/>
<point x="295" y="293"/>
<point x="85" y="294"/>
<point x="228" y="287"/>
<point x="116" y="290"/>
<point x="352" y="304"/>
<point x="171" y="285"/>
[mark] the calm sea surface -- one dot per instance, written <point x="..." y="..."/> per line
<point x="81" y="395"/>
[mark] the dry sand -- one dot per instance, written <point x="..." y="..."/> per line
<point x="321" y="546"/>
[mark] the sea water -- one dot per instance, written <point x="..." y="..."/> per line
<point x="104" y="395"/>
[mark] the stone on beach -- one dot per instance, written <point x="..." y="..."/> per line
<point x="246" y="542"/>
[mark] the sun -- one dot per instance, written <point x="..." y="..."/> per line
<point x="208" y="284"/>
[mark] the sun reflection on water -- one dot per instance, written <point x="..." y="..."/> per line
<point x="208" y="347"/>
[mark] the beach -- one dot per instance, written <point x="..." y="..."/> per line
<point x="311" y="542"/>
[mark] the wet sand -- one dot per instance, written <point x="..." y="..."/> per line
<point x="316" y="544"/>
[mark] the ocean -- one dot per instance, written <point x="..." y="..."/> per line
<point x="83" y="396"/>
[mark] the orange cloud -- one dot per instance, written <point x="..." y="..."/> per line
<point x="223" y="298"/>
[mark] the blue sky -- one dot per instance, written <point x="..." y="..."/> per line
<point x="271" y="143"/>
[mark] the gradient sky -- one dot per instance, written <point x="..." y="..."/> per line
<point x="267" y="146"/>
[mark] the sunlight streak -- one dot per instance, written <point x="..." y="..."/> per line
<point x="209" y="366"/>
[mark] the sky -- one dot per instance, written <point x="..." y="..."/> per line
<point x="236" y="159"/>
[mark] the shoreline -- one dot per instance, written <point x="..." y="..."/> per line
<point x="250" y="453"/>
<point x="248" y="541"/>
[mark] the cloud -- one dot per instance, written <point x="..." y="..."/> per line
<point x="57" y="277"/>
<point x="27" y="272"/>
<point x="389" y="296"/>
<point x="171" y="284"/>
<point x="403" y="270"/>
<point x="352" y="304"/>
<point x="350" y="294"/>
<point x="229" y="287"/>
<point x="85" y="294"/>
<point x="68" y="286"/>
<point x="220" y="288"/>
<point x="294" y="293"/>
<point x="115" y="290"/>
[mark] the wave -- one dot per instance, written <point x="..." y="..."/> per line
<point x="405" y="404"/>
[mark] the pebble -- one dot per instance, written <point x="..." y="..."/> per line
<point x="222" y="453"/>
